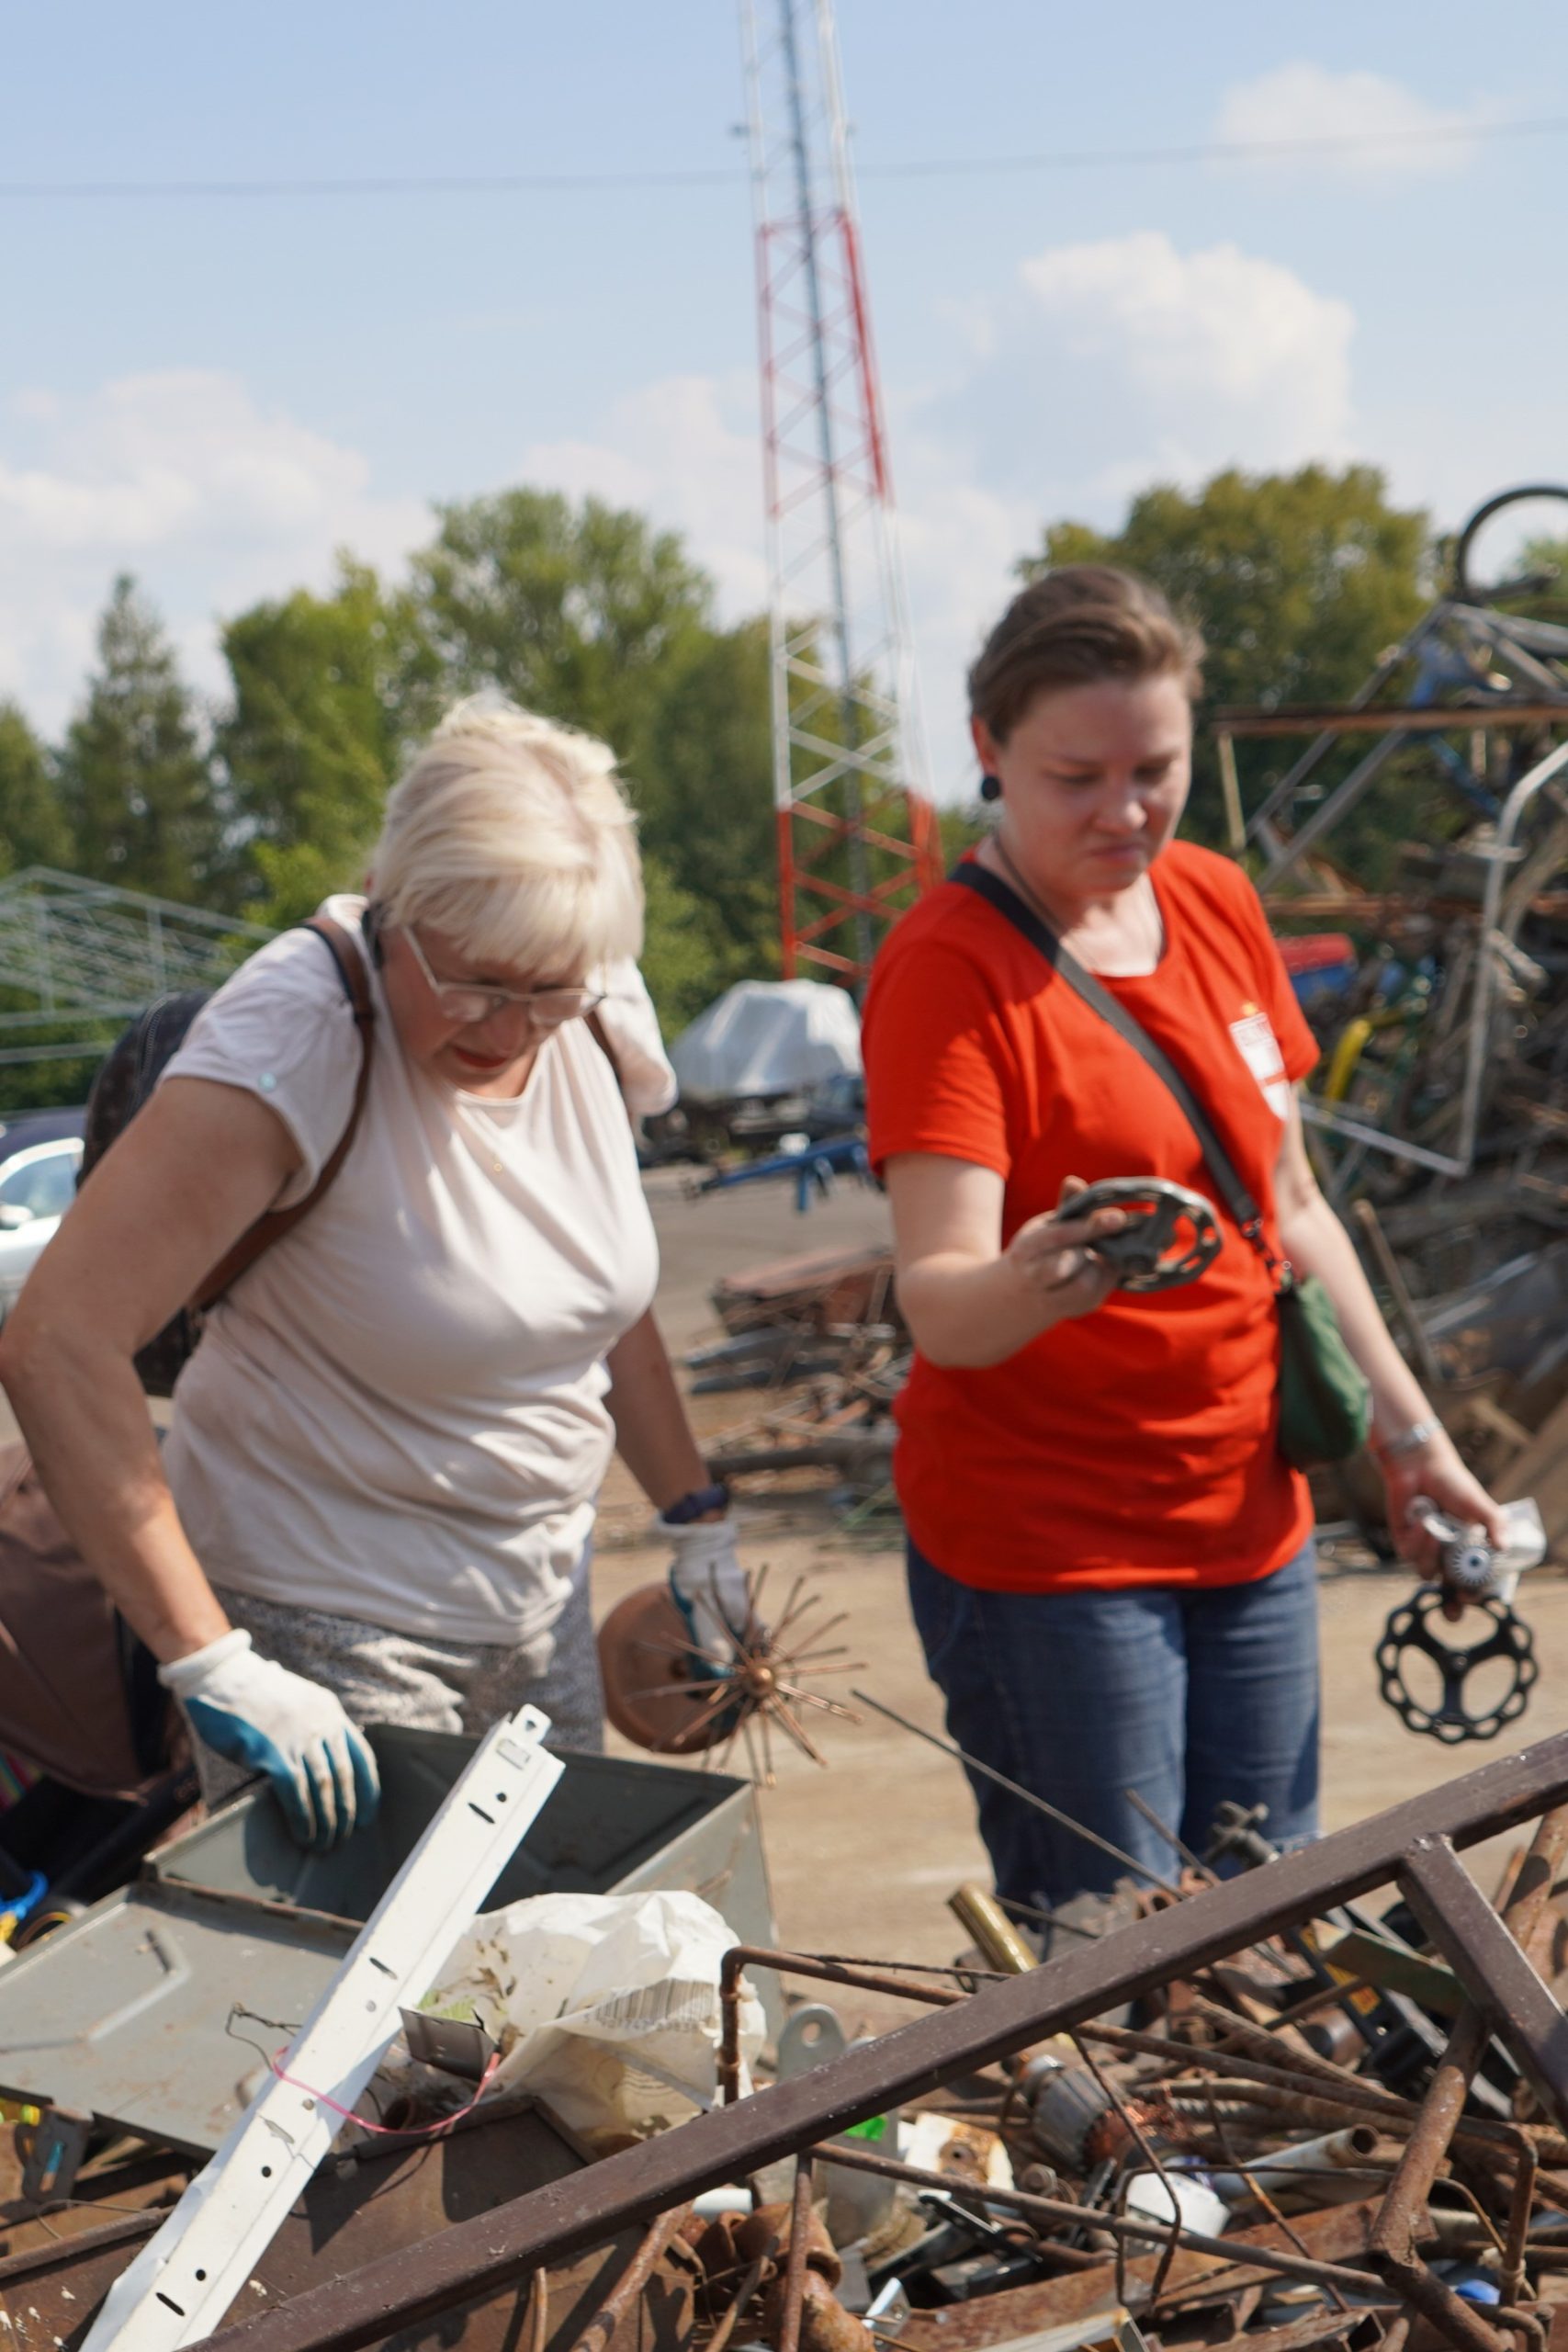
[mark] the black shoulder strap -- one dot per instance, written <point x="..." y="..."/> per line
<point x="1022" y="917"/>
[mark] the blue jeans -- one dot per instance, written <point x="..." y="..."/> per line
<point x="1186" y="1695"/>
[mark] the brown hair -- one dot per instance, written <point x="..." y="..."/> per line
<point x="1072" y="628"/>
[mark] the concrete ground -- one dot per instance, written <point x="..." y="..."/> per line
<point x="863" y="1854"/>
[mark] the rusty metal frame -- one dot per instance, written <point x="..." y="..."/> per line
<point x="789" y="2118"/>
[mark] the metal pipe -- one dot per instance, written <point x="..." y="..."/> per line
<point x="979" y="1911"/>
<point x="1339" y="803"/>
<point x="1260" y="827"/>
<point x="1529" y="784"/>
<point x="1124" y="2225"/>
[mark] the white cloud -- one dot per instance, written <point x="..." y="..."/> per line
<point x="685" y="450"/>
<point x="183" y="479"/>
<point x="1112" y="364"/>
<point x="1394" y="130"/>
<point x="1191" y="360"/>
<point x="1221" y="324"/>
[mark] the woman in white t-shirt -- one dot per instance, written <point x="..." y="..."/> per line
<point x="375" y="1502"/>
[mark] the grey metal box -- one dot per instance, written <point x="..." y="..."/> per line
<point x="127" y="2013"/>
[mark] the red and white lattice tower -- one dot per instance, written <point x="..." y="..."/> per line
<point x="858" y="839"/>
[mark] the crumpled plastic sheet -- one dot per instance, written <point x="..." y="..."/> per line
<point x="603" y="2005"/>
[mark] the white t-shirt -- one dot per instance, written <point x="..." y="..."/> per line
<point x="398" y="1413"/>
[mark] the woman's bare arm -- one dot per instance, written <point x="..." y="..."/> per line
<point x="193" y="1171"/>
<point x="653" y="1435"/>
<point x="967" y="1300"/>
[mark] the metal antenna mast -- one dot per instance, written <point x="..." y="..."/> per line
<point x="857" y="834"/>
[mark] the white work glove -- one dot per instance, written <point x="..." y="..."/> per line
<point x="257" y="1713"/>
<point x="709" y="1588"/>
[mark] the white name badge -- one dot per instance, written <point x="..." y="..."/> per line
<point x="1260" y="1049"/>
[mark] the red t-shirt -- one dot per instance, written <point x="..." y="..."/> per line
<point x="1136" y="1444"/>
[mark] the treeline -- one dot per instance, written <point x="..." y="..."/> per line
<point x="262" y="805"/>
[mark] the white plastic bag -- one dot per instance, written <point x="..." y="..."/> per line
<point x="605" y="2006"/>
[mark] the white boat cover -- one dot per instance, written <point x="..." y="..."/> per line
<point x="767" y="1037"/>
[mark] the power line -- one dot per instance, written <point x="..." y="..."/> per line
<point x="1234" y="151"/>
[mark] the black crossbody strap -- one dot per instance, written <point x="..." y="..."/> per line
<point x="1022" y="917"/>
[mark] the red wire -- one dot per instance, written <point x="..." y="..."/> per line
<point x="393" y="2131"/>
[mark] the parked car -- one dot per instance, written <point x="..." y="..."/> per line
<point x="38" y="1185"/>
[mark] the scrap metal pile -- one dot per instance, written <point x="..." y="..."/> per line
<point x="1264" y="2113"/>
<point x="1440" y="997"/>
<point x="826" y="1326"/>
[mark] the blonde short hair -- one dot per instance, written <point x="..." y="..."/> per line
<point x="513" y="835"/>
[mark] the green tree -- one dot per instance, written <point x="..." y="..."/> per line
<point x="136" y="783"/>
<point x="1298" y="580"/>
<point x="588" y="615"/>
<point x="309" y="743"/>
<point x="581" y="612"/>
<point x="705" y="796"/>
<point x="34" y="828"/>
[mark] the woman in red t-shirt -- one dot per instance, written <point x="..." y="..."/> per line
<point x="1110" y="1562"/>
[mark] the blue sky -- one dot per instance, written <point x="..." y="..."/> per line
<point x="217" y="392"/>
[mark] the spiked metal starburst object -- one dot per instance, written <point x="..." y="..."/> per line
<point x="667" y="1693"/>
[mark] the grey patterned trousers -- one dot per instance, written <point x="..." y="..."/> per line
<point x="385" y="1677"/>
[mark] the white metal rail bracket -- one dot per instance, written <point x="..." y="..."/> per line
<point x="184" y="2279"/>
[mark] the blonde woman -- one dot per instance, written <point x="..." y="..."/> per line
<point x="375" y="1502"/>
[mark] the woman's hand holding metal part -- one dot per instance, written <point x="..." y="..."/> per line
<point x="1053" y="1258"/>
<point x="1435" y="1470"/>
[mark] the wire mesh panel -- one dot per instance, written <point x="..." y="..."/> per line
<point x="77" y="955"/>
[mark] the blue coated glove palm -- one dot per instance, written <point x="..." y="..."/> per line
<point x="259" y="1715"/>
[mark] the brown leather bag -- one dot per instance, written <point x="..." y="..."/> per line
<point x="79" y="1695"/>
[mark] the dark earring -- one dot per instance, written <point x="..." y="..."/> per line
<point x="991" y="788"/>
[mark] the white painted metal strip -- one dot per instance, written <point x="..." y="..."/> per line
<point x="184" y="2279"/>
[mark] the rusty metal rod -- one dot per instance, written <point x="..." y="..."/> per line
<point x="1521" y="2208"/>
<point x="794" y="2262"/>
<point x="1484" y="1953"/>
<point x="1431" y="1885"/>
<point x="618" y="2304"/>
<point x="1281" y="2085"/>
<point x="743" y="2294"/>
<point x="741" y="1956"/>
<point x="1260" y="2043"/>
<point x="1027" y="1796"/>
<point x="1126" y="2225"/>
<point x="539" y="2310"/>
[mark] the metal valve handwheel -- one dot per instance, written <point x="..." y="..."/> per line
<point x="1173" y="1234"/>
<point x="1409" y="1629"/>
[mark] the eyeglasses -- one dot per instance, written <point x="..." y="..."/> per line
<point x="470" y="1001"/>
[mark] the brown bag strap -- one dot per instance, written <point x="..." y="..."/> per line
<point x="271" y="1227"/>
<point x="601" y="1037"/>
